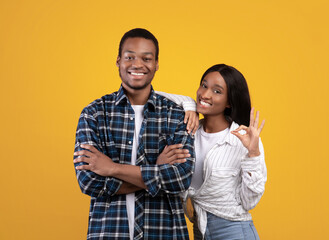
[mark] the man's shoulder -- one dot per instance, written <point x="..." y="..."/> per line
<point x="164" y="102"/>
<point x="101" y="103"/>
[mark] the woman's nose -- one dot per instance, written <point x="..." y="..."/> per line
<point x="206" y="93"/>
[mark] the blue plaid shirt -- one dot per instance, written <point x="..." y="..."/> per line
<point x="108" y="124"/>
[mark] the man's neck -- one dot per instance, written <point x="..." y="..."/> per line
<point x="138" y="97"/>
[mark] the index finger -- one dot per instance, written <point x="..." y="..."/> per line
<point x="89" y="147"/>
<point x="175" y="146"/>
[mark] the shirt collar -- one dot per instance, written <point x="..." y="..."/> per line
<point x="121" y="97"/>
<point x="229" y="138"/>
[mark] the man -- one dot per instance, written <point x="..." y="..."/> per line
<point x="118" y="141"/>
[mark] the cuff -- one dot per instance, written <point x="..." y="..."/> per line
<point x="250" y="163"/>
<point x="151" y="178"/>
<point x="189" y="106"/>
<point x="112" y="185"/>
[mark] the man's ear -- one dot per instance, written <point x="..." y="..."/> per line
<point x="157" y="65"/>
<point x="118" y="60"/>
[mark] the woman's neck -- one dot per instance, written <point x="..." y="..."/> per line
<point x="213" y="124"/>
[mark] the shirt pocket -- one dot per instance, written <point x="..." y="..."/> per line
<point x="220" y="185"/>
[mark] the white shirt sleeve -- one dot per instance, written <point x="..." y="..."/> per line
<point x="184" y="101"/>
<point x="254" y="176"/>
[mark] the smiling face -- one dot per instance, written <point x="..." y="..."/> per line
<point x="137" y="64"/>
<point x="212" y="97"/>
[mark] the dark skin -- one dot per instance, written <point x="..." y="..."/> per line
<point x="212" y="100"/>
<point x="137" y="66"/>
<point x="104" y="166"/>
<point x="170" y="155"/>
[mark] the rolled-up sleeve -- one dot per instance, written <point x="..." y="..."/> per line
<point x="91" y="183"/>
<point x="176" y="178"/>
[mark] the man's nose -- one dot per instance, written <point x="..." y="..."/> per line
<point x="137" y="63"/>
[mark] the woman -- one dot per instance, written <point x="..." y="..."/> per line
<point x="230" y="171"/>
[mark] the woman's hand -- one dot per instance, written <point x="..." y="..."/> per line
<point x="192" y="120"/>
<point x="173" y="154"/>
<point x="251" y="138"/>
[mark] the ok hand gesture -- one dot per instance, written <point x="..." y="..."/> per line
<point x="251" y="138"/>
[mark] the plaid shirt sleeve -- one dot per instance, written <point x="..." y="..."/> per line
<point x="175" y="178"/>
<point x="87" y="132"/>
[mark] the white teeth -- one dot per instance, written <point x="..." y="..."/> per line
<point x="137" y="74"/>
<point x="204" y="103"/>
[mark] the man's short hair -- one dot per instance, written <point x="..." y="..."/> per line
<point x="141" y="33"/>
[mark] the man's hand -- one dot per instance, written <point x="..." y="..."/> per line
<point x="97" y="162"/>
<point x="173" y="154"/>
<point x="192" y="120"/>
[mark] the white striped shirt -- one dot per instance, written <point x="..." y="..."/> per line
<point x="233" y="183"/>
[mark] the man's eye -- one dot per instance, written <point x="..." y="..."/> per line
<point x="129" y="58"/>
<point x="147" y="59"/>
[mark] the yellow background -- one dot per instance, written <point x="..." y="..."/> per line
<point x="58" y="56"/>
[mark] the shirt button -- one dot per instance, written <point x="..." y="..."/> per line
<point x="129" y="142"/>
<point x="131" y="118"/>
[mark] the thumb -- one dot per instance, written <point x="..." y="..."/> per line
<point x="165" y="150"/>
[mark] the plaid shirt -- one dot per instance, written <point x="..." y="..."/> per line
<point x="108" y="124"/>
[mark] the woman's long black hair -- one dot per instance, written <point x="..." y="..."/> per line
<point x="237" y="92"/>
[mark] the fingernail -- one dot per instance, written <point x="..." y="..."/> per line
<point x="75" y="153"/>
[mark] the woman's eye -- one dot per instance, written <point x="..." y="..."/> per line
<point x="204" y="85"/>
<point x="216" y="91"/>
